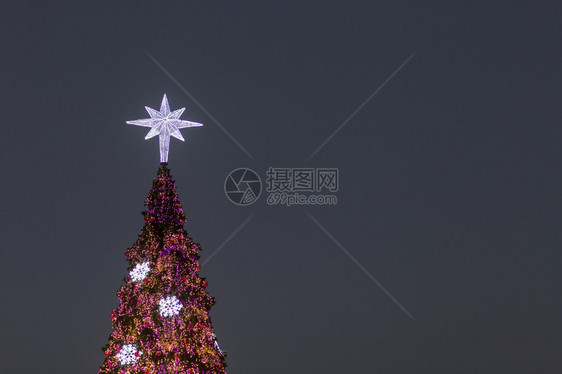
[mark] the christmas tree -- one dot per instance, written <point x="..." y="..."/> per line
<point x="162" y="324"/>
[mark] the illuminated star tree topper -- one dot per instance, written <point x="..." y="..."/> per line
<point x="164" y="124"/>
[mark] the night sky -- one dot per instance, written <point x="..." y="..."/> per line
<point x="450" y="190"/>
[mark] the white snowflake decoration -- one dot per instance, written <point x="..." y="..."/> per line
<point x="217" y="345"/>
<point x="128" y="354"/>
<point x="139" y="272"/>
<point x="170" y="306"/>
<point x="164" y="124"/>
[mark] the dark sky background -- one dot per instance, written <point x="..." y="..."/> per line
<point x="450" y="179"/>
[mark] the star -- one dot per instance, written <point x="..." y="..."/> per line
<point x="164" y="124"/>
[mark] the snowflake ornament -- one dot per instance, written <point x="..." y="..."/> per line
<point x="217" y="346"/>
<point x="170" y="306"/>
<point x="164" y="124"/>
<point x="139" y="272"/>
<point x="128" y="354"/>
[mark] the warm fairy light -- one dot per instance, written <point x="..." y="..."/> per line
<point x="140" y="271"/>
<point x="128" y="354"/>
<point x="170" y="306"/>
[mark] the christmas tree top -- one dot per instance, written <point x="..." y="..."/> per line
<point x="162" y="324"/>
